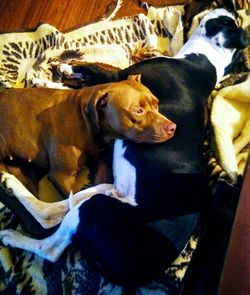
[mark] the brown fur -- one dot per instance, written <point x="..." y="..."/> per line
<point x="57" y="131"/>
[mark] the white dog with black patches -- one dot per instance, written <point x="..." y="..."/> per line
<point x="214" y="42"/>
<point x="150" y="181"/>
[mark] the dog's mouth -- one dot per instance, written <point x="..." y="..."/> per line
<point x="161" y="138"/>
<point x="156" y="138"/>
<point x="153" y="138"/>
<point x="159" y="134"/>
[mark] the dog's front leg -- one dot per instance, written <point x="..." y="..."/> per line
<point x="107" y="189"/>
<point x="51" y="247"/>
<point x="103" y="188"/>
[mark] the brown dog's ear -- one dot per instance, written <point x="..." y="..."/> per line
<point x="135" y="78"/>
<point x="95" y="103"/>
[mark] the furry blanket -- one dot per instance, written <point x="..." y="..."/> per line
<point x="28" y="56"/>
<point x="232" y="130"/>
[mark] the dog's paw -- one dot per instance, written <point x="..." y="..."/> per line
<point x="12" y="185"/>
<point x="7" y="181"/>
<point x="9" y="237"/>
<point x="65" y="70"/>
<point x="7" y="177"/>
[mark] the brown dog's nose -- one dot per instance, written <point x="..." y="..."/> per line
<point x="170" y="128"/>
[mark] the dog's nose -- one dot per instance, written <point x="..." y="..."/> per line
<point x="170" y="128"/>
<point x="245" y="39"/>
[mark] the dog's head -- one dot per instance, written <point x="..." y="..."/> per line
<point x="221" y="28"/>
<point x="128" y="109"/>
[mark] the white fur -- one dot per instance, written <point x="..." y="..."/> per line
<point x="67" y="212"/>
<point x="65" y="69"/>
<point x="103" y="188"/>
<point x="51" y="214"/>
<point x="124" y="174"/>
<point x="198" y="43"/>
<point x="47" y="214"/>
<point x="51" y="247"/>
<point x="42" y="83"/>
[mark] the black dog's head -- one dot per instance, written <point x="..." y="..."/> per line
<point x="220" y="27"/>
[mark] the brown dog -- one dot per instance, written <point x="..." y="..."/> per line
<point x="58" y="131"/>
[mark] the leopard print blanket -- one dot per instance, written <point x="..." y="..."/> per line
<point x="114" y="42"/>
<point x="28" y="56"/>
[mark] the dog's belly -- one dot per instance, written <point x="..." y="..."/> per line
<point x="15" y="147"/>
<point x="20" y="128"/>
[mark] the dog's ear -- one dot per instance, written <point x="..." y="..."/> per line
<point x="97" y="102"/>
<point x="135" y="77"/>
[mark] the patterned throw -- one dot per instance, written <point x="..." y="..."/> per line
<point x="28" y="56"/>
<point x="25" y="56"/>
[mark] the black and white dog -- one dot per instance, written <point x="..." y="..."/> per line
<point x="150" y="181"/>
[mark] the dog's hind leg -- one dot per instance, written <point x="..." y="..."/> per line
<point x="47" y="214"/>
<point x="51" y="247"/>
<point x="24" y="174"/>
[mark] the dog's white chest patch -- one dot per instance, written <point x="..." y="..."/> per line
<point x="124" y="174"/>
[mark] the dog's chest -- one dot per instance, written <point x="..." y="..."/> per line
<point x="124" y="173"/>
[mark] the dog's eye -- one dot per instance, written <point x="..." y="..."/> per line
<point x="138" y="111"/>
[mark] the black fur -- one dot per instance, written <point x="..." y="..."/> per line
<point x="236" y="37"/>
<point x="114" y="238"/>
<point x="171" y="177"/>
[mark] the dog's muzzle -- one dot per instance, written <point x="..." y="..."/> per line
<point x="238" y="39"/>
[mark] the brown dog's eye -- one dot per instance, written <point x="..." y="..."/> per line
<point x="138" y="111"/>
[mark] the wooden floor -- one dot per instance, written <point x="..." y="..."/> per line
<point x="63" y="14"/>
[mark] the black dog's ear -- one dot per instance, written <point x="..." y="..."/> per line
<point x="238" y="39"/>
<point x="97" y="102"/>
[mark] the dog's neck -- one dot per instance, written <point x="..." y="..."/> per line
<point x="219" y="57"/>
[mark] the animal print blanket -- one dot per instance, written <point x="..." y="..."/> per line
<point x="28" y="56"/>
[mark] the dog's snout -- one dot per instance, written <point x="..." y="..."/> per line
<point x="237" y="39"/>
<point x="170" y="128"/>
<point x="245" y="39"/>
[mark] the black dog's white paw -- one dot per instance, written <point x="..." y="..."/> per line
<point x="9" y="237"/>
<point x="12" y="185"/>
<point x="7" y="181"/>
<point x="65" y="70"/>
